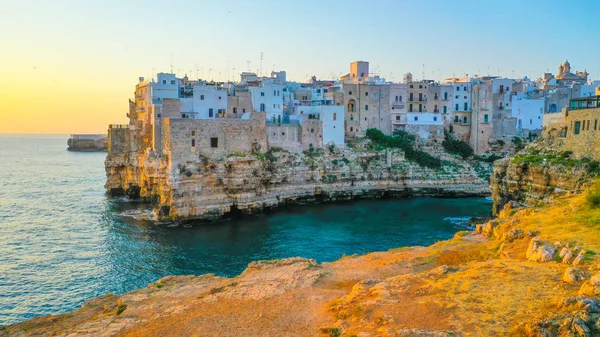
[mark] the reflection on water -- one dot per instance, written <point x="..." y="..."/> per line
<point x="62" y="241"/>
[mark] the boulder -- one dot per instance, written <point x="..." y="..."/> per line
<point x="540" y="252"/>
<point x="572" y="275"/>
<point x="591" y="287"/>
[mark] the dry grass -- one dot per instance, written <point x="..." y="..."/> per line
<point x="462" y="255"/>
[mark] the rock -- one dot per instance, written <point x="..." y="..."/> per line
<point x="538" y="252"/>
<point x="579" y="258"/>
<point x="568" y="257"/>
<point x="591" y="287"/>
<point x="572" y="275"/>
<point x="564" y="252"/>
<point x="580" y="328"/>
<point x="488" y="229"/>
<point x="588" y="304"/>
<point x="513" y="235"/>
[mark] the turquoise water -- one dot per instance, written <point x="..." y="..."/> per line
<point x="62" y="241"/>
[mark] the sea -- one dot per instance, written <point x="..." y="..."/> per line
<point x="62" y="241"/>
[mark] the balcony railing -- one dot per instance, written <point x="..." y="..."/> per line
<point x="118" y="126"/>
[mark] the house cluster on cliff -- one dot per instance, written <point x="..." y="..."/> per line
<point x="261" y="112"/>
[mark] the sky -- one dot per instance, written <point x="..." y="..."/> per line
<point x="71" y="66"/>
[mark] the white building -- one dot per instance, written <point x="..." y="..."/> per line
<point x="167" y="86"/>
<point x="246" y="77"/>
<point x="208" y="101"/>
<point x="528" y="112"/>
<point x="268" y="98"/>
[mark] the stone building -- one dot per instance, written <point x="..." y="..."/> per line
<point x="398" y="96"/>
<point x="367" y="106"/>
<point x="578" y="127"/>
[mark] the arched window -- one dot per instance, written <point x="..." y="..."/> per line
<point x="399" y="98"/>
<point x="262" y="107"/>
<point x="396" y="98"/>
<point x="351" y="105"/>
<point x="553" y="108"/>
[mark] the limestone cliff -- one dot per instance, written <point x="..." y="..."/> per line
<point x="207" y="189"/>
<point x="530" y="272"/>
<point x="539" y="171"/>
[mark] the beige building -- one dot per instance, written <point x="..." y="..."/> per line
<point x="366" y="106"/>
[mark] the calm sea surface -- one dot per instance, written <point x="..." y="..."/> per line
<point x="62" y="241"/>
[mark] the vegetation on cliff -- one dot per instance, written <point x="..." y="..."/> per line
<point x="405" y="141"/>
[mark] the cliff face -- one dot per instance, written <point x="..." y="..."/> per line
<point x="539" y="171"/>
<point x="530" y="272"/>
<point x="239" y="184"/>
<point x="97" y="143"/>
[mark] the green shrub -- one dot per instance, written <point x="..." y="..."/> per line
<point x="346" y="161"/>
<point x="335" y="162"/>
<point x="592" y="196"/>
<point x="405" y="141"/>
<point x="456" y="146"/>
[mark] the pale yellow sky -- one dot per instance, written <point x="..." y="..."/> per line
<point x="70" y="66"/>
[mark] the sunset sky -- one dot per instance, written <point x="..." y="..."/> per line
<point x="71" y="66"/>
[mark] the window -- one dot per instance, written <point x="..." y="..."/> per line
<point x="210" y="112"/>
<point x="435" y="119"/>
<point x="202" y="97"/>
<point x="420" y="107"/>
<point x="455" y="119"/>
<point x="193" y="143"/>
<point x="445" y="109"/>
<point x="262" y="93"/>
<point x="262" y="107"/>
<point x="435" y="96"/>
<point x="485" y="118"/>
<point x="312" y="130"/>
<point x="465" y="97"/>
<point x="456" y="96"/>
<point x="164" y="81"/>
<point x="335" y="116"/>
<point x="274" y="106"/>
<point x="193" y="133"/>
<point x="274" y="92"/>
<point x="466" y="106"/>
<point x="445" y="95"/>
<point x="457" y="88"/>
<point x="283" y="133"/>
<point x="214" y="142"/>
<point x="465" y="89"/>
<point x="416" y="118"/>
<point x="577" y="127"/>
<point x="465" y="120"/>
<point x="351" y="129"/>
<point x="435" y="109"/>
<point x="410" y="108"/>
<point x="366" y="93"/>
<point x="595" y="125"/>
<point x="397" y="118"/>
<point x="399" y="98"/>
<point x="234" y="110"/>
<point x="396" y="98"/>
<point x="219" y="97"/>
<point x="351" y="117"/>
<point x="410" y="96"/>
<point x="172" y="81"/>
<point x="366" y="107"/>
<point x="158" y="115"/>
<point x="243" y="110"/>
<point x="420" y="87"/>
<point x="349" y="92"/>
<point x="411" y="85"/>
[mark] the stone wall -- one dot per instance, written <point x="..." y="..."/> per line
<point x="311" y="133"/>
<point x="587" y="142"/>
<point x="285" y="136"/>
<point x="240" y="103"/>
<point x="119" y="140"/>
<point x="186" y="140"/>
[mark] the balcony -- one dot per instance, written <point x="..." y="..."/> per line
<point x="398" y="105"/>
<point x="416" y="100"/>
<point x="401" y="121"/>
<point x="118" y="126"/>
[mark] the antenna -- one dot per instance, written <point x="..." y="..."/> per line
<point x="248" y="65"/>
<point x="260" y="69"/>
<point x="171" y="62"/>
<point x="423" y="73"/>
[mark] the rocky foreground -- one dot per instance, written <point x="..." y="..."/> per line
<point x="530" y="272"/>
